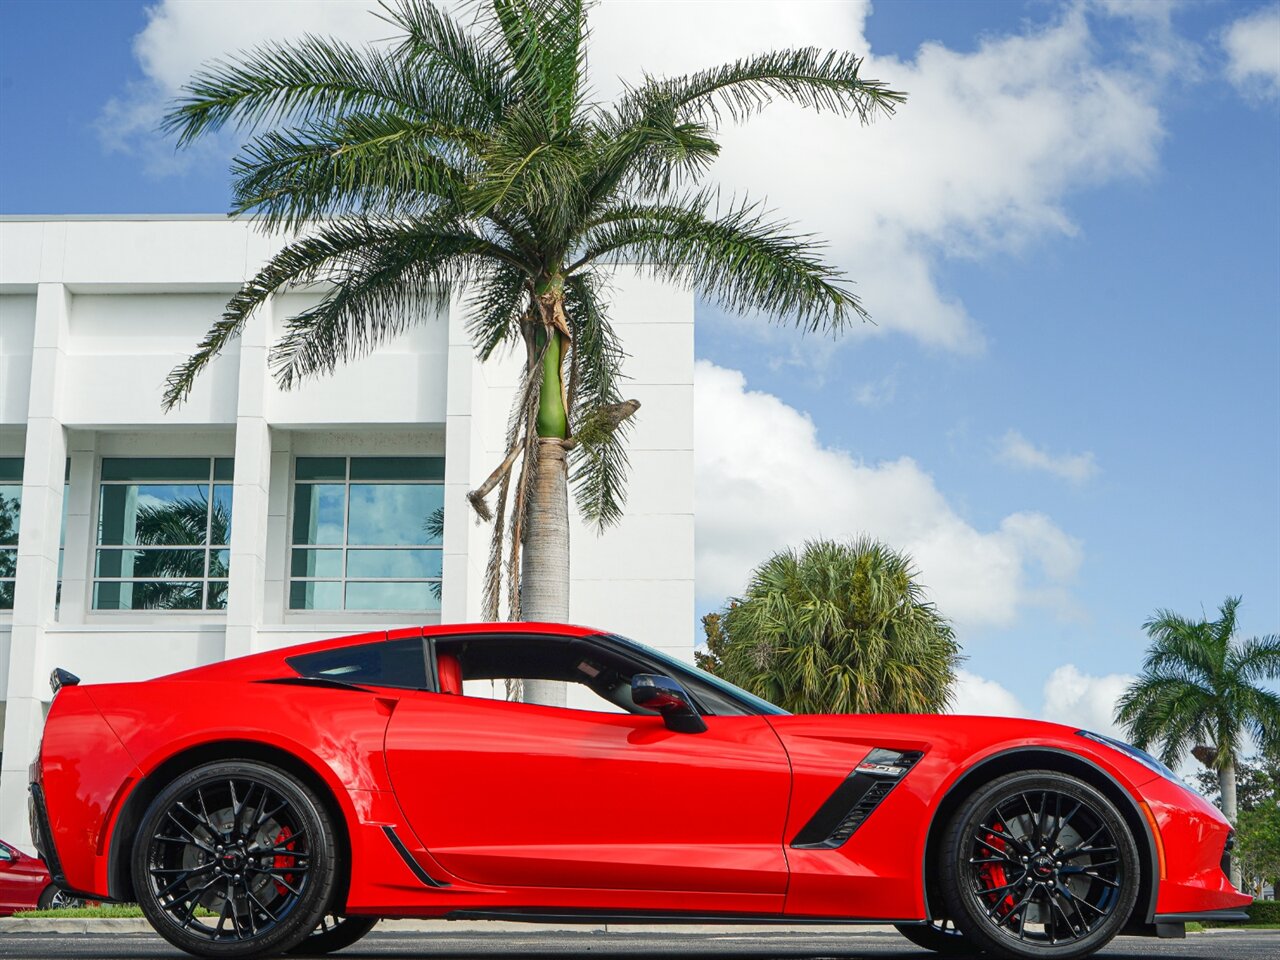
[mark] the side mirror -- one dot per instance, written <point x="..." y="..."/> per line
<point x="669" y="699"/>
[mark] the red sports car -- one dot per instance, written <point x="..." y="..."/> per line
<point x="25" y="883"/>
<point x="300" y="794"/>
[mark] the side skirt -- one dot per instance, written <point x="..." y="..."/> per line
<point x="614" y="916"/>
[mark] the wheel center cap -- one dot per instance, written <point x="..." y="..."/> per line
<point x="231" y="860"/>
<point x="1043" y="866"/>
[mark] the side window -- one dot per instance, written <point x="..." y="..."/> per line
<point x="390" y="663"/>
<point x="493" y="668"/>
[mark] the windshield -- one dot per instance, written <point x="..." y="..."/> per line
<point x="682" y="671"/>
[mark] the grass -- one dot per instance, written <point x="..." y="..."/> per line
<point x="80" y="913"/>
<point x="100" y="912"/>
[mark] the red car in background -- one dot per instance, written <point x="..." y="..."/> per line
<point x="25" y="883"/>
<point x="244" y="803"/>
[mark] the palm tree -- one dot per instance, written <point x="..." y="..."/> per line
<point x="475" y="157"/>
<point x="1199" y="692"/>
<point x="840" y="627"/>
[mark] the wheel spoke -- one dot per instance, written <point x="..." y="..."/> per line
<point x="183" y="878"/>
<point x="1058" y="827"/>
<point x="994" y="849"/>
<point x="1083" y="846"/>
<point x="190" y="837"/>
<point x="263" y="907"/>
<point x="1019" y="842"/>
<point x="1020" y="906"/>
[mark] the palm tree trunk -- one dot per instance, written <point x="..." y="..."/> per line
<point x="1227" y="788"/>
<point x="544" y="558"/>
<point x="544" y="561"/>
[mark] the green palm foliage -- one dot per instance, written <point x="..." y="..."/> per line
<point x="1202" y="688"/>
<point x="839" y="627"/>
<point x="474" y="157"/>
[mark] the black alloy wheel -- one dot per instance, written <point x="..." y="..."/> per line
<point x="940" y="936"/>
<point x="1039" y="864"/>
<point x="234" y="859"/>
<point x="334" y="933"/>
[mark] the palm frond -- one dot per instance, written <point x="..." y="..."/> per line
<point x="498" y="301"/>
<point x="740" y="258"/>
<point x="379" y="291"/>
<point x="438" y="47"/>
<point x="598" y="462"/>
<point x="363" y="162"/>
<point x="808" y="77"/>
<point x="545" y="41"/>
<point x="302" y="81"/>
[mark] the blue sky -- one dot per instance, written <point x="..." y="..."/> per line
<point x="1069" y="237"/>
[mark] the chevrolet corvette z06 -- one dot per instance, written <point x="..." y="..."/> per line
<point x="287" y="800"/>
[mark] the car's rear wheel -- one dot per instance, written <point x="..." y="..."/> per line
<point x="940" y="936"/>
<point x="234" y="859"/>
<point x="1039" y="864"/>
<point x="334" y="933"/>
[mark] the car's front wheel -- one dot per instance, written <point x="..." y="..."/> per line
<point x="234" y="859"/>
<point x="1039" y="864"/>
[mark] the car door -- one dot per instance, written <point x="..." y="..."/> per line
<point x="515" y="794"/>
<point x="22" y="879"/>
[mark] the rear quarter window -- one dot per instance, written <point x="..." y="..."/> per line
<point x="391" y="663"/>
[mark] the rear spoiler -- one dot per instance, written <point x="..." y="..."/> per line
<point x="61" y="678"/>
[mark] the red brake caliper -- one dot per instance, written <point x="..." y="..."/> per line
<point x="992" y="874"/>
<point x="284" y="861"/>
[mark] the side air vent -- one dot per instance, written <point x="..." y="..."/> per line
<point x="851" y="803"/>
<point x="1226" y="853"/>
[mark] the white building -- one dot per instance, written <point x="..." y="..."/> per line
<point x="333" y="485"/>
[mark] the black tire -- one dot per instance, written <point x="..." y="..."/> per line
<point x="334" y="933"/>
<point x="940" y="936"/>
<point x="1039" y="865"/>
<point x="244" y="841"/>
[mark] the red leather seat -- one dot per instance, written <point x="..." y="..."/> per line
<point x="450" y="672"/>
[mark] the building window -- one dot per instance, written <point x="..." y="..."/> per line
<point x="164" y="529"/>
<point x="367" y="534"/>
<point x="10" y="507"/>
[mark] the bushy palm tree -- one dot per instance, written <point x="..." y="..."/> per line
<point x="475" y="156"/>
<point x="838" y="627"/>
<point x="1200" y="692"/>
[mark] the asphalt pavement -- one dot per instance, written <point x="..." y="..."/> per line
<point x="619" y="941"/>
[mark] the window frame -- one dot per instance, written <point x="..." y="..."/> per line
<point x="345" y="547"/>
<point x="92" y="579"/>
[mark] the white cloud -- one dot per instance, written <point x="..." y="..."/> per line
<point x="765" y="482"/>
<point x="980" y="159"/>
<point x="1017" y="450"/>
<point x="1082" y="700"/>
<point x="1252" y="44"/>
<point x="976" y="696"/>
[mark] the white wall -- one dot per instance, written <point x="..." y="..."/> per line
<point x="94" y="312"/>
